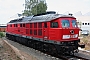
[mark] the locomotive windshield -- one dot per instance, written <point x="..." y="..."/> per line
<point x="74" y="24"/>
<point x="65" y="23"/>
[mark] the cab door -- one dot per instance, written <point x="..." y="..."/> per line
<point x="45" y="31"/>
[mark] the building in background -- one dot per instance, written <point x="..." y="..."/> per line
<point x="2" y="27"/>
<point x="83" y="22"/>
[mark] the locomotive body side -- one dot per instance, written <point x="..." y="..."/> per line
<point x="52" y="30"/>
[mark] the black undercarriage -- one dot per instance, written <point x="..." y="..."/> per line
<point x="49" y="48"/>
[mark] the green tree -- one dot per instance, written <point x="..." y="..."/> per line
<point x="33" y="8"/>
<point x="39" y="8"/>
<point x="26" y="13"/>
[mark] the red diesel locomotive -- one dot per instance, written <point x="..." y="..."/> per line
<point x="55" y="33"/>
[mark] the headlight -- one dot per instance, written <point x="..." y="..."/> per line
<point x="66" y="36"/>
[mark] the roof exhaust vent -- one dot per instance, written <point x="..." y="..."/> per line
<point x="49" y="12"/>
<point x="70" y="14"/>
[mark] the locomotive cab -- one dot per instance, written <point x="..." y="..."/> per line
<point x="66" y="31"/>
<point x="70" y="30"/>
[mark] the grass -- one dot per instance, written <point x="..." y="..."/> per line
<point x="85" y="40"/>
<point x="2" y="34"/>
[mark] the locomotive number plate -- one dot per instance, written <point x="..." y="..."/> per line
<point x="74" y="36"/>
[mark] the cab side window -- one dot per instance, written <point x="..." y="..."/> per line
<point x="54" y="24"/>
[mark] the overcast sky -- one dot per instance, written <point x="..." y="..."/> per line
<point x="9" y="8"/>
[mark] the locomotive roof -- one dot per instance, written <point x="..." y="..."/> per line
<point x="39" y="18"/>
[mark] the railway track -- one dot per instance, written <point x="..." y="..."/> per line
<point x="52" y="56"/>
<point x="72" y="57"/>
